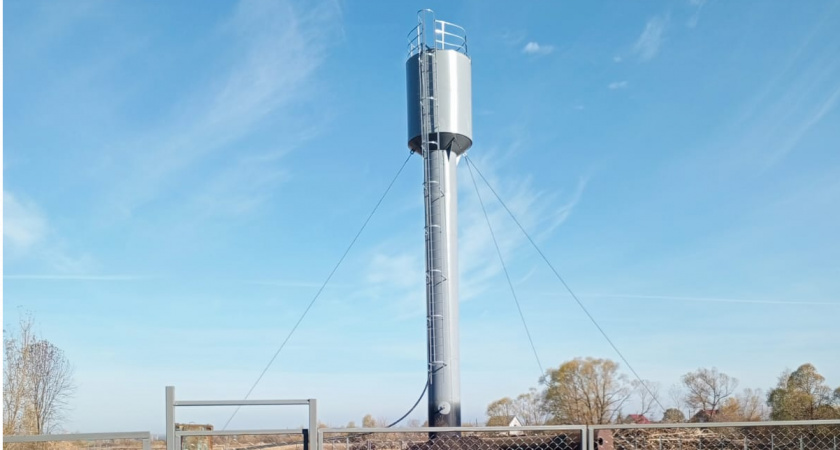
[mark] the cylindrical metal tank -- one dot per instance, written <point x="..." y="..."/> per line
<point x="451" y="113"/>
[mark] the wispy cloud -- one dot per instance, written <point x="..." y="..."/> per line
<point x="711" y="299"/>
<point x="790" y="104"/>
<point x="617" y="85"/>
<point x="402" y="270"/>
<point x="397" y="274"/>
<point x="24" y="225"/>
<point x="513" y="38"/>
<point x="539" y="212"/>
<point x="290" y="283"/>
<point x="270" y="38"/>
<point x="60" y="277"/>
<point x="805" y="126"/>
<point x="695" y="17"/>
<point x="534" y="48"/>
<point x="650" y="41"/>
<point x="394" y="279"/>
<point x="242" y="187"/>
<point x="27" y="234"/>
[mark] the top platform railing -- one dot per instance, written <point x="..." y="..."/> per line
<point x="445" y="36"/>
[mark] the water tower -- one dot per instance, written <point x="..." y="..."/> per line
<point x="439" y="85"/>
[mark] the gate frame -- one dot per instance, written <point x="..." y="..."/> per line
<point x="173" y="441"/>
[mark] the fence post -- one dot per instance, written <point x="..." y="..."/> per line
<point x="801" y="443"/>
<point x="305" y="439"/>
<point x="745" y="443"/>
<point x="313" y="424"/>
<point x="660" y="442"/>
<point x="170" y="417"/>
<point x="772" y="441"/>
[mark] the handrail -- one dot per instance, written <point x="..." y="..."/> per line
<point x="447" y="36"/>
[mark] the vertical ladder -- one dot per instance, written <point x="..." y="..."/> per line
<point x="433" y="191"/>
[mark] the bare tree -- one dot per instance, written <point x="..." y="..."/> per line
<point x="707" y="388"/>
<point x="529" y="408"/>
<point x="676" y="397"/>
<point x="747" y="407"/>
<point x="15" y="369"/>
<point x="753" y="405"/>
<point x="646" y="393"/>
<point x="51" y="379"/>
<point x="37" y="383"/>
<point x="502" y="407"/>
<point x="368" y="421"/>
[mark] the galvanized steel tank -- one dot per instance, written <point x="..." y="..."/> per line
<point x="452" y="117"/>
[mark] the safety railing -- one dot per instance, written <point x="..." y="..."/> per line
<point x="787" y="435"/>
<point x="104" y="440"/>
<point x="446" y="36"/>
<point x="458" y="438"/>
<point x="449" y="36"/>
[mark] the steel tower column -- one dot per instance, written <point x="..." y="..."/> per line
<point x="442" y="287"/>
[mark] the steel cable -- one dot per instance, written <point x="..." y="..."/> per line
<point x="321" y="289"/>
<point x="563" y="282"/>
<point x="504" y="267"/>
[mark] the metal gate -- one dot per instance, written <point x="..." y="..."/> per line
<point x="174" y="438"/>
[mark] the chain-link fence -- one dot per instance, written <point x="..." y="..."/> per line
<point x="799" y="435"/>
<point x="793" y="435"/>
<point x="464" y="438"/>
<point x="227" y="440"/>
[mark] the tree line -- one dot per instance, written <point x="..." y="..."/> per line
<point x="594" y="391"/>
<point x="38" y="383"/>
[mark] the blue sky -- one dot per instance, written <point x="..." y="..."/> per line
<point x="181" y="177"/>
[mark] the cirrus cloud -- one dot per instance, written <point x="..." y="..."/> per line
<point x="649" y="42"/>
<point x="534" y="48"/>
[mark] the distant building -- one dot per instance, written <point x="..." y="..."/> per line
<point x="638" y="419"/>
<point x="505" y="421"/>
<point x="195" y="442"/>
<point x="705" y="415"/>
